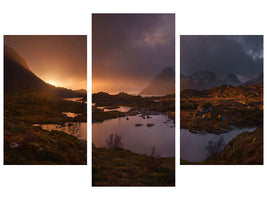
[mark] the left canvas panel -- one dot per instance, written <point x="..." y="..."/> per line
<point x="45" y="99"/>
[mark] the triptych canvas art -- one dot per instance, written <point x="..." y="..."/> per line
<point x="133" y="114"/>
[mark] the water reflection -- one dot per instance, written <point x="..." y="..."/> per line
<point x="193" y="146"/>
<point x="139" y="139"/>
<point x="79" y="99"/>
<point x="77" y="129"/>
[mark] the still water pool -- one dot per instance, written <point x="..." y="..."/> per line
<point x="139" y="139"/>
<point x="193" y="146"/>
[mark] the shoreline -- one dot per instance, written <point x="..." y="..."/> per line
<point x="242" y="144"/>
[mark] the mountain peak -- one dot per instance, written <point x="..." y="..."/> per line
<point x="232" y="80"/>
<point x="166" y="74"/>
<point x="207" y="79"/>
<point x="255" y="81"/>
<point x="162" y="84"/>
<point x="203" y="79"/>
<point x="232" y="76"/>
<point x="11" y="54"/>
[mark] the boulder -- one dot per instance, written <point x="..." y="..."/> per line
<point x="205" y="107"/>
<point x="221" y="117"/>
<point x="149" y="124"/>
<point x="206" y="116"/>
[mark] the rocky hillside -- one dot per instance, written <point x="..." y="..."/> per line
<point x="244" y="149"/>
<point x="217" y="109"/>
<point x="162" y="84"/>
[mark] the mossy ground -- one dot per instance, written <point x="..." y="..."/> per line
<point x="120" y="167"/>
<point x="26" y="144"/>
<point x="240" y="106"/>
<point x="245" y="149"/>
<point x="35" y="107"/>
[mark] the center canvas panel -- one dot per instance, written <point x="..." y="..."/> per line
<point x="133" y="100"/>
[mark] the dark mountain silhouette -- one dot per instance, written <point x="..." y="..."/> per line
<point x="162" y="84"/>
<point x="18" y="77"/>
<point x="255" y="81"/>
<point x="83" y="91"/>
<point x="200" y="80"/>
<point x="205" y="80"/>
<point x="186" y="83"/>
<point x="232" y="80"/>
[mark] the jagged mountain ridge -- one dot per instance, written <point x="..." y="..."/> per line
<point x="255" y="81"/>
<point x="232" y="80"/>
<point x="206" y="79"/>
<point x="18" y="77"/>
<point x="199" y="80"/>
<point x="162" y="84"/>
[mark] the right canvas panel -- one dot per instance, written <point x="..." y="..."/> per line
<point x="221" y="105"/>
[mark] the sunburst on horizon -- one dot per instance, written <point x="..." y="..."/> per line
<point x="52" y="83"/>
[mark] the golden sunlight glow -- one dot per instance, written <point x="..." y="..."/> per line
<point x="51" y="83"/>
<point x="72" y="84"/>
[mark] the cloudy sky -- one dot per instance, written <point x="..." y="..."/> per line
<point x="242" y="55"/>
<point x="58" y="60"/>
<point x="130" y="49"/>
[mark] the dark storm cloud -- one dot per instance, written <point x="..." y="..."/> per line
<point x="242" y="55"/>
<point x="132" y="46"/>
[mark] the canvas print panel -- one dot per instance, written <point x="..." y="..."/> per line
<point x="45" y="99"/>
<point x="133" y="108"/>
<point x="221" y="99"/>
